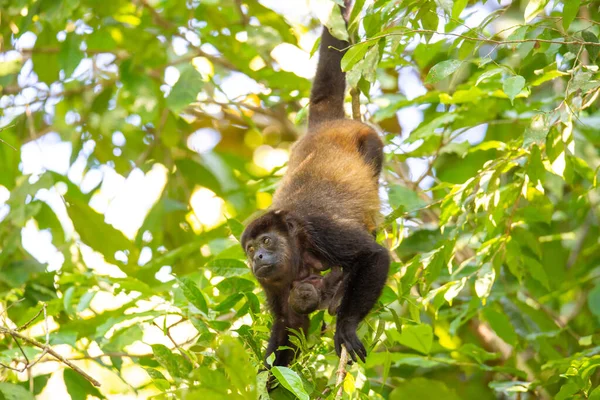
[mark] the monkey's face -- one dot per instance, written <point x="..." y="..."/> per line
<point x="269" y="245"/>
<point x="267" y="255"/>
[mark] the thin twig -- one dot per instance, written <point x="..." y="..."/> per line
<point x="177" y="346"/>
<point x="405" y="31"/>
<point x="355" y="93"/>
<point x="26" y="325"/>
<point x="341" y="373"/>
<point x="3" y="141"/>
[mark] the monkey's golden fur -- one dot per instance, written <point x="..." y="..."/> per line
<point x="327" y="175"/>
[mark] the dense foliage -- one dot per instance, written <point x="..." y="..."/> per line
<point x="138" y="136"/>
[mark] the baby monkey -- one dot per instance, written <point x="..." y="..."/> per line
<point x="317" y="292"/>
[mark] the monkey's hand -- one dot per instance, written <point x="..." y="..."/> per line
<point x="345" y="333"/>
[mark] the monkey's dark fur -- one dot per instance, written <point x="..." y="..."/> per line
<point x="323" y="215"/>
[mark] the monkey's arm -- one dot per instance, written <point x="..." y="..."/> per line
<point x="365" y="264"/>
<point x="327" y="95"/>
<point x="332" y="287"/>
<point x="334" y="291"/>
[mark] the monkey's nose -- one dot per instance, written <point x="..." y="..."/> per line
<point x="263" y="257"/>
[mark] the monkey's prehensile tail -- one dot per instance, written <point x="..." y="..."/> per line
<point x="329" y="85"/>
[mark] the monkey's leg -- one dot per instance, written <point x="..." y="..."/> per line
<point x="364" y="283"/>
<point x="371" y="149"/>
<point x="365" y="264"/>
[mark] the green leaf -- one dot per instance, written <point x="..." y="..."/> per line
<point x="477" y="353"/>
<point x="45" y="62"/>
<point x="458" y="7"/>
<point x="489" y="74"/>
<point x="10" y="67"/>
<point x="485" y="281"/>
<point x="70" y="55"/>
<point x="570" y="10"/>
<point x="186" y="90"/>
<point x="417" y="337"/>
<point x="291" y="381"/>
<point x="434" y="262"/>
<point x="471" y="95"/>
<point x="567" y="391"/>
<point x="193" y="294"/>
<point x="442" y="70"/>
<point x="355" y="54"/>
<point x="158" y="378"/>
<point x="336" y="24"/>
<point x="401" y="196"/>
<point x="595" y="394"/>
<point x="229" y="302"/>
<point x="426" y="130"/>
<point x="537" y="271"/>
<point x="228" y="267"/>
<point x="234" y="359"/>
<point x="534" y="7"/>
<point x="501" y="325"/>
<point x="11" y="391"/>
<point x="445" y="5"/>
<point x="548" y="76"/>
<point x="513" y="86"/>
<point x="68" y="300"/>
<point x="91" y="227"/>
<point x="235" y="227"/>
<point x="594" y="301"/>
<point x="198" y="174"/>
<point x="511" y="387"/>
<point x="454" y="288"/>
<point x="78" y="387"/>
<point x="422" y="388"/>
<point x="593" y="50"/>
<point x="85" y="300"/>
<point x="165" y="357"/>
<point x="537" y="131"/>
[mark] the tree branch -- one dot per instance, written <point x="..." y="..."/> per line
<point x="49" y="350"/>
<point x="341" y="373"/>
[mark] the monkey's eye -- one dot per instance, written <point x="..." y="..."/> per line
<point x="267" y="240"/>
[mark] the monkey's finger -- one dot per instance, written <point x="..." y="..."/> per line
<point x="362" y="353"/>
<point x="351" y="353"/>
<point x="356" y="345"/>
<point x="358" y="349"/>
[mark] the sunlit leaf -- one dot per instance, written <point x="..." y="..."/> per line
<point x="512" y="86"/>
<point x="185" y="90"/>
<point x="442" y="70"/>
<point x="194" y="295"/>
<point x="417" y="337"/>
<point x="570" y="10"/>
<point x="291" y="381"/>
<point x="485" y="280"/>
<point x="534" y="7"/>
<point x="593" y="49"/>
<point x="355" y="54"/>
<point x="77" y="386"/>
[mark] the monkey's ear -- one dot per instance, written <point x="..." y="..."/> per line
<point x="291" y="223"/>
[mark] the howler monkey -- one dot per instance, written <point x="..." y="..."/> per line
<point x="317" y="292"/>
<point x="323" y="215"/>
